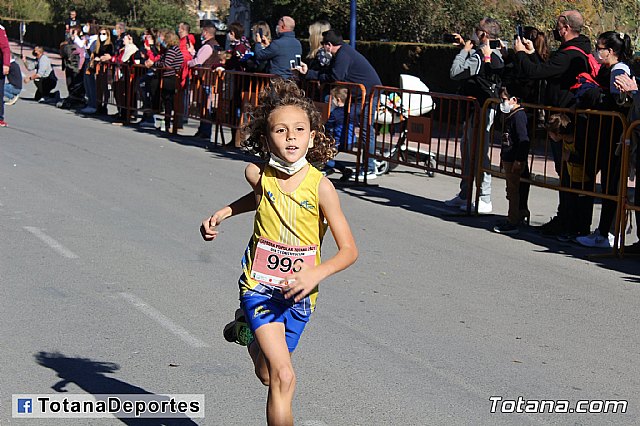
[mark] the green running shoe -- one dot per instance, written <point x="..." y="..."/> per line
<point x="237" y="331"/>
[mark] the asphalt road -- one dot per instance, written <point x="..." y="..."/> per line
<point x="107" y="287"/>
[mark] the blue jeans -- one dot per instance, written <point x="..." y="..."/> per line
<point x="90" y="89"/>
<point x="10" y="91"/>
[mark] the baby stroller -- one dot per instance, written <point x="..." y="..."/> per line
<point x="405" y="111"/>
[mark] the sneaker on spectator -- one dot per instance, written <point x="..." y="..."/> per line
<point x="456" y="202"/>
<point x="551" y="228"/>
<point x="596" y="240"/>
<point x="370" y="176"/>
<point x="12" y="100"/>
<point x="506" y="228"/>
<point x="483" y="207"/>
<point x="88" y="110"/>
<point x="3" y="123"/>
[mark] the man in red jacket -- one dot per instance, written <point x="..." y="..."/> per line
<point x="5" y="59"/>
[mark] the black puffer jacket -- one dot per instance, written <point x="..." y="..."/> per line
<point x="560" y="71"/>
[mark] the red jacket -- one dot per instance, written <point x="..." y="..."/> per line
<point x="5" y="50"/>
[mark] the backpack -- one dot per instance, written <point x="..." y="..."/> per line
<point x="486" y="83"/>
<point x="585" y="80"/>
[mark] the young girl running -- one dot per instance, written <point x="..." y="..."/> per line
<point x="281" y="266"/>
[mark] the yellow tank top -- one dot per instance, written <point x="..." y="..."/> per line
<point x="292" y="218"/>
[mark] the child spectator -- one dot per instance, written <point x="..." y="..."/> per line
<point x="294" y="204"/>
<point x="335" y="127"/>
<point x="514" y="155"/>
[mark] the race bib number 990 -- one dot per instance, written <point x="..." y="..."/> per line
<point x="274" y="262"/>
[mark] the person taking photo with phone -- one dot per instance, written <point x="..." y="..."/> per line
<point x="478" y="67"/>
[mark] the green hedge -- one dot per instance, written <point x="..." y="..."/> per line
<point x="429" y="62"/>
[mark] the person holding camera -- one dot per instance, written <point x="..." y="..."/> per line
<point x="560" y="72"/>
<point x="280" y="51"/>
<point x="478" y="67"/>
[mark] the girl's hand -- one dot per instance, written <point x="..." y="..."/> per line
<point x="301" y="283"/>
<point x="209" y="226"/>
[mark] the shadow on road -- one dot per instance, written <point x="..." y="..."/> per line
<point x="436" y="208"/>
<point x="91" y="376"/>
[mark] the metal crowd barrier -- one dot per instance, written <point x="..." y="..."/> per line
<point x="119" y="85"/>
<point x="585" y="164"/>
<point x="234" y="93"/>
<point x="430" y="131"/>
<point x="631" y="138"/>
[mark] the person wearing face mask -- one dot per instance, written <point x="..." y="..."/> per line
<point x="560" y="72"/>
<point x="514" y="155"/>
<point x="613" y="50"/>
<point x="118" y="36"/>
<point x="44" y="77"/>
<point x="281" y="51"/>
<point x="100" y="57"/>
<point x="479" y="68"/>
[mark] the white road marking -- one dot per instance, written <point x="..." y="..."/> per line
<point x="51" y="242"/>
<point x="165" y="322"/>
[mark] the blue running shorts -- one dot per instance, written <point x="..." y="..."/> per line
<point x="263" y="305"/>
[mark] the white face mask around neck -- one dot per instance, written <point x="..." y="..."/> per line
<point x="287" y="167"/>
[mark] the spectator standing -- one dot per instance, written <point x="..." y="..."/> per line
<point x="350" y="66"/>
<point x="629" y="86"/>
<point x="128" y="55"/>
<point x="13" y="86"/>
<point x="187" y="41"/>
<point x="206" y="57"/>
<point x="480" y="71"/>
<point x="100" y="57"/>
<point x="262" y="31"/>
<point x="514" y="155"/>
<point x="318" y="57"/>
<point x="172" y="60"/>
<point x="89" y="78"/>
<point x="560" y="72"/>
<point x="44" y="77"/>
<point x="150" y="82"/>
<point x="5" y="59"/>
<point x="239" y="46"/>
<point x="118" y="36"/>
<point x="71" y="21"/>
<point x="613" y="51"/>
<point x="281" y="51"/>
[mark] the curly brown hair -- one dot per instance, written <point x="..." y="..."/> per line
<point x="285" y="93"/>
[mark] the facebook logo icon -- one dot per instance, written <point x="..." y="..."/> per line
<point x="24" y="405"/>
